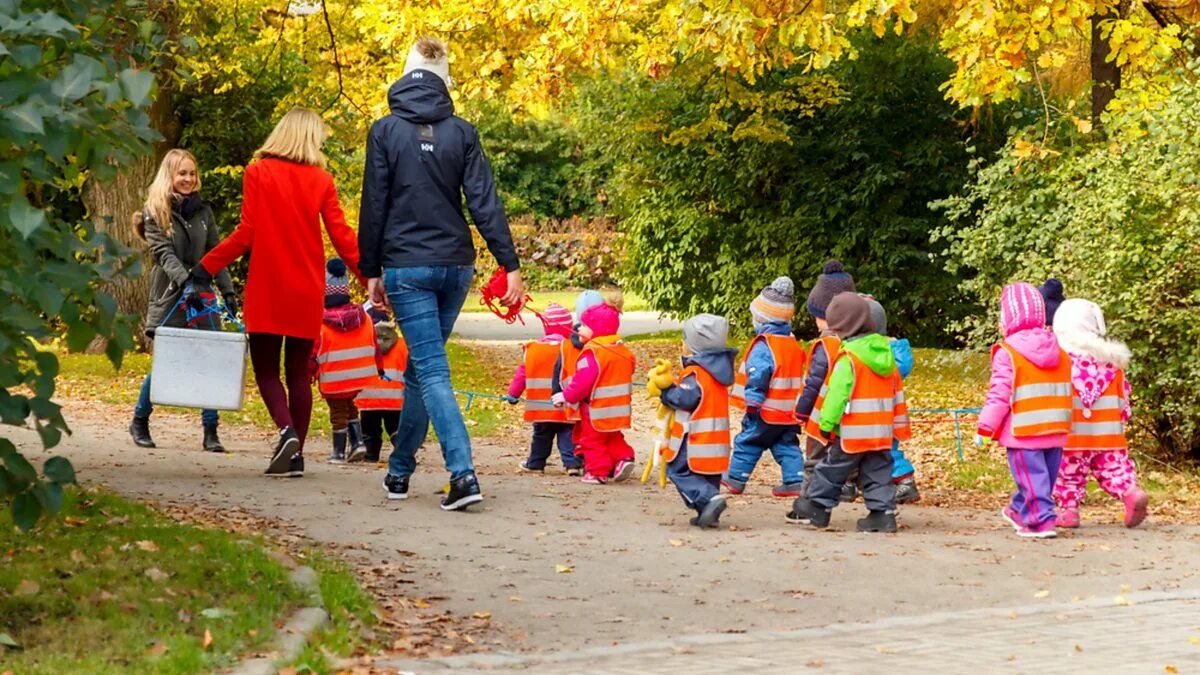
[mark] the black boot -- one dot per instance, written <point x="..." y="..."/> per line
<point x="464" y="491"/>
<point x="374" y="446"/>
<point x="806" y="511"/>
<point x="878" y="521"/>
<point x="139" y="428"/>
<point x="356" y="449"/>
<point x="338" y="455"/>
<point x="212" y="442"/>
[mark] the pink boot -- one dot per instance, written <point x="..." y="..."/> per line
<point x="1135" y="506"/>
<point x="1068" y="518"/>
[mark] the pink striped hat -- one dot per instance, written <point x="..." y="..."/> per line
<point x="556" y="320"/>
<point x="1021" y="307"/>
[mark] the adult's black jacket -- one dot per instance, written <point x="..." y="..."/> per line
<point x="421" y="161"/>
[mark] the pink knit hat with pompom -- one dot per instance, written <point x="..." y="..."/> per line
<point x="602" y="319"/>
<point x="1021" y="308"/>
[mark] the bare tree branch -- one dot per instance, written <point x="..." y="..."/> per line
<point x="337" y="64"/>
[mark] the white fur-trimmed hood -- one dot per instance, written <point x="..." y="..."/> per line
<point x="1102" y="349"/>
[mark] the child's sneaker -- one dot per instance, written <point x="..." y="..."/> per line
<point x="525" y="468"/>
<point x="1043" y="531"/>
<point x="592" y="479"/>
<point x="906" y="491"/>
<point x="1068" y="518"/>
<point x="1136" y="501"/>
<point x="1011" y="518"/>
<point x="732" y="485"/>
<point x="623" y="471"/>
<point x="710" y="515"/>
<point x="878" y="521"/>
<point x="574" y="470"/>
<point x="806" y="512"/>
<point x="788" y="490"/>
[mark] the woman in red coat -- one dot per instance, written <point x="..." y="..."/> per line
<point x="286" y="195"/>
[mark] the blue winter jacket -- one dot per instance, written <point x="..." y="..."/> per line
<point x="903" y="354"/>
<point x="686" y="395"/>
<point x="760" y="365"/>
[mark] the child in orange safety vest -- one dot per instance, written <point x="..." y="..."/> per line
<point x="1028" y="408"/>
<point x="346" y="361"/>
<point x="603" y="388"/>
<point x="1099" y="412"/>
<point x="380" y="403"/>
<point x="547" y="366"/>
<point x="862" y="411"/>
<point x="698" y="451"/>
<point x="767" y="387"/>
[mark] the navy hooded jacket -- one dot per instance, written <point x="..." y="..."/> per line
<point x="421" y="161"/>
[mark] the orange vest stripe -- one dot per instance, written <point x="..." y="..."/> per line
<point x="876" y="412"/>
<point x="832" y="346"/>
<point x="610" y="407"/>
<point x="706" y="429"/>
<point x="539" y="383"/>
<point x="787" y="380"/>
<point x="346" y="360"/>
<point x="1104" y="428"/>
<point x="1041" y="398"/>
<point x="387" y="394"/>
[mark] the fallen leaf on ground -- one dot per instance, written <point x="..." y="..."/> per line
<point x="215" y="613"/>
<point x="26" y="588"/>
<point x="7" y="641"/>
<point x="72" y="521"/>
<point x="157" y="650"/>
<point x="1122" y="600"/>
<point x="482" y="615"/>
<point x="564" y="569"/>
<point x="184" y="616"/>
<point x="207" y="638"/>
<point x="77" y="557"/>
<point x="515" y="598"/>
<point x="815" y="663"/>
<point x="1194" y="640"/>
<point x="1078" y="648"/>
<point x="158" y="575"/>
<point x="1171" y="669"/>
<point x="676" y="542"/>
<point x="147" y="545"/>
<point x="1042" y="594"/>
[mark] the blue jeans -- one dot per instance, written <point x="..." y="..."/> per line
<point x="144" y="407"/>
<point x="757" y="437"/>
<point x="426" y="301"/>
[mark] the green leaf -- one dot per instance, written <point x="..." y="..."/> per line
<point x="59" y="470"/>
<point x="7" y="641"/>
<point x="79" y="336"/>
<point x="76" y="80"/>
<point x="20" y="470"/>
<point x="27" y="117"/>
<point x="50" y="496"/>
<point x="24" y="217"/>
<point x="26" y="510"/>
<point x="27" y="56"/>
<point x="137" y="85"/>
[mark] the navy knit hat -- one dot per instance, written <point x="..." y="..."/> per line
<point x="833" y="280"/>
<point x="1052" y="293"/>
<point x="337" y="285"/>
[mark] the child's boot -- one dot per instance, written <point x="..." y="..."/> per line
<point x="732" y="485"/>
<point x="1068" y="518"/>
<point x="906" y="491"/>
<point x="805" y="511"/>
<point x="338" y="456"/>
<point x="358" y="447"/>
<point x="710" y="515"/>
<point x="849" y="492"/>
<point x="1136" y="501"/>
<point x="878" y="521"/>
<point x="374" y="447"/>
<point x="788" y="490"/>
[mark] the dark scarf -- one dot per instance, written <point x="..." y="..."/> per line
<point x="187" y="205"/>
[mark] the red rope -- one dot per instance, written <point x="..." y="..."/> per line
<point x="493" y="290"/>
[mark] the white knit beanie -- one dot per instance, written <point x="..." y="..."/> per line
<point x="429" y="54"/>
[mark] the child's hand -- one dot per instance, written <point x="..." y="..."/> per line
<point x="558" y="399"/>
<point x="982" y="441"/>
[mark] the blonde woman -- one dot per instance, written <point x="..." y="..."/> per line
<point x="179" y="227"/>
<point x="287" y="194"/>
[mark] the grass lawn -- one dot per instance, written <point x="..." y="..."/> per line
<point x="633" y="303"/>
<point x="111" y="586"/>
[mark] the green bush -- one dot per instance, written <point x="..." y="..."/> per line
<point x="787" y="173"/>
<point x="565" y="254"/>
<point x="1118" y="220"/>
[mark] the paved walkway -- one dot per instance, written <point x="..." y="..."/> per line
<point x="1138" y="633"/>
<point x="485" y="326"/>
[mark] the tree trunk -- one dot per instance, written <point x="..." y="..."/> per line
<point x="1106" y="74"/>
<point x="111" y="205"/>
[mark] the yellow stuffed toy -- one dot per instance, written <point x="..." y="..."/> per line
<point x="659" y="378"/>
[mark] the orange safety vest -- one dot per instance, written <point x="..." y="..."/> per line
<point x="569" y="355"/>
<point x="610" y="406"/>
<point x="706" y="428"/>
<point x="346" y="360"/>
<point x="1041" y="399"/>
<point x="876" y="412"/>
<point x="1103" y="428"/>
<point x="539" y="383"/>
<point x="833" y="346"/>
<point x="787" y="380"/>
<point x="387" y="394"/>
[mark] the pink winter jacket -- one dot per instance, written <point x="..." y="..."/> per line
<point x="516" y="386"/>
<point x="995" y="421"/>
<point x="587" y="371"/>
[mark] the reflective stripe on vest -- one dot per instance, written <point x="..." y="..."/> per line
<point x="1041" y="398"/>
<point x="706" y="429"/>
<point x="832" y="346"/>
<point x="346" y="359"/>
<point x="569" y="356"/>
<point x="387" y="394"/>
<point x="540" y="358"/>
<point x="876" y="412"/>
<point x="610" y="406"/>
<point x="1102" y="427"/>
<point x="787" y="380"/>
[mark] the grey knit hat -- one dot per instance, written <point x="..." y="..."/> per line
<point x="705" y="333"/>
<point x="878" y="315"/>
<point x="833" y="280"/>
<point x="776" y="303"/>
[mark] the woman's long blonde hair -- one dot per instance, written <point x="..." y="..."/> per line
<point x="297" y="138"/>
<point x="159" y="194"/>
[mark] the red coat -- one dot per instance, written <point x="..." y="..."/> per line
<point x="282" y="209"/>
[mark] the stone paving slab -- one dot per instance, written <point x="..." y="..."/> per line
<point x="1135" y="633"/>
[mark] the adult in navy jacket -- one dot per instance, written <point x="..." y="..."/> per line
<point x="418" y="256"/>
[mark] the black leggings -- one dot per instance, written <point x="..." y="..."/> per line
<point x="375" y="422"/>
<point x="291" y="407"/>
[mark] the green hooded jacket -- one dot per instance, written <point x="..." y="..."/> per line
<point x="873" y="350"/>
